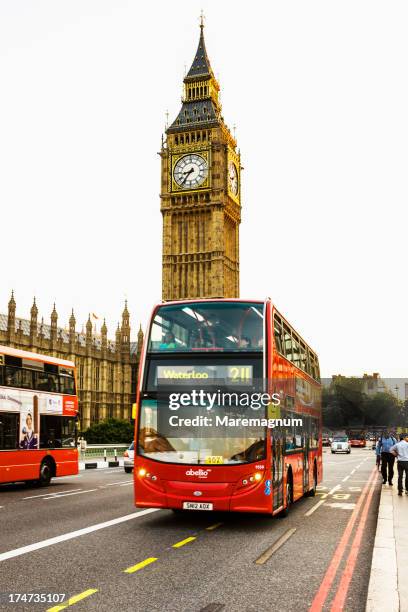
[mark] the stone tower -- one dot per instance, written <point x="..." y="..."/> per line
<point x="200" y="193"/>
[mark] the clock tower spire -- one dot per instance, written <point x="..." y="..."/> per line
<point x="200" y="192"/>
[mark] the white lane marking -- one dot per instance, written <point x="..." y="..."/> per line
<point x="346" y="478"/>
<point x="322" y="501"/>
<point x="111" y="484"/>
<point x="352" y="472"/>
<point x="315" y="507"/>
<point x="57" y="496"/>
<point x="127" y="484"/>
<point x="17" y="552"/>
<point x="50" y="493"/>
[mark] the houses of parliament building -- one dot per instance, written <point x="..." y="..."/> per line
<point x="106" y="369"/>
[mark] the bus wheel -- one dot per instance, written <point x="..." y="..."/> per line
<point x="45" y="473"/>
<point x="289" y="496"/>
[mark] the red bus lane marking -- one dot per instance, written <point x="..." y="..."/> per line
<point x="348" y="572"/>
<point x="330" y="575"/>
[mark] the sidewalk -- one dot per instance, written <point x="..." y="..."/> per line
<point x="388" y="588"/>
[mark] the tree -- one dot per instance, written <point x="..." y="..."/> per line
<point x="110" y="431"/>
<point x="403" y="415"/>
<point x="382" y="409"/>
<point x="343" y="403"/>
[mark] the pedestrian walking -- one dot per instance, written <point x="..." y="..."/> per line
<point x="378" y="455"/>
<point x="400" y="450"/>
<point x="385" y="443"/>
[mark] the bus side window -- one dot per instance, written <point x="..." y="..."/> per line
<point x="290" y="441"/>
<point x="8" y="430"/>
<point x="287" y="342"/>
<point x="278" y="336"/>
<point x="53" y="383"/>
<point x="41" y="381"/>
<point x="296" y="351"/>
<point x="308" y="363"/>
<point x="27" y="379"/>
<point x="12" y="377"/>
<point x="67" y="385"/>
<point x="303" y="362"/>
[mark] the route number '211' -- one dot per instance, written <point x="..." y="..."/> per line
<point x="240" y="373"/>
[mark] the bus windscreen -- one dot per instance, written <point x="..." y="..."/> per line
<point x="208" y="326"/>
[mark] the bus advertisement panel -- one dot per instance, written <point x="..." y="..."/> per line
<point x="228" y="410"/>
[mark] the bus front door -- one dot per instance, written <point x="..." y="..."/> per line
<point x="277" y="470"/>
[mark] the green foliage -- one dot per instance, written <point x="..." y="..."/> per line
<point x="345" y="404"/>
<point x="111" y="431"/>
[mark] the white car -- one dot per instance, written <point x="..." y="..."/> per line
<point x="129" y="458"/>
<point x="341" y="444"/>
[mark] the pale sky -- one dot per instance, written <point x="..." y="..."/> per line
<point x="318" y="91"/>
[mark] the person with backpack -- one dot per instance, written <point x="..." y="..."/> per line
<point x="385" y="443"/>
<point x="400" y="450"/>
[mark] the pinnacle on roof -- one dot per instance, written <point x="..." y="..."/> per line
<point x="34" y="309"/>
<point x="54" y="315"/>
<point x="12" y="301"/>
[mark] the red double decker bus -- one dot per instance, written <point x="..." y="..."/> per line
<point x="244" y="457"/>
<point x="38" y="416"/>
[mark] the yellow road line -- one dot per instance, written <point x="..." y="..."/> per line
<point x="183" y="542"/>
<point x="141" y="565"/>
<point x="73" y="600"/>
<point x="212" y="527"/>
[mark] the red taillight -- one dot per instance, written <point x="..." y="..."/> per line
<point x="126" y="454"/>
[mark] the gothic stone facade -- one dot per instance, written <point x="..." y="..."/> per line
<point x="106" y="370"/>
<point x="200" y="193"/>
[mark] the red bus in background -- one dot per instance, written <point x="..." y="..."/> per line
<point x="229" y="344"/>
<point x="38" y="415"/>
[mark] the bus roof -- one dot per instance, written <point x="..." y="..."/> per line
<point x="206" y="300"/>
<point x="8" y="350"/>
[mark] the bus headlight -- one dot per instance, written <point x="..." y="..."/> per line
<point x="142" y="472"/>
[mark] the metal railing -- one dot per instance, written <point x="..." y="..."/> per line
<point x="100" y="451"/>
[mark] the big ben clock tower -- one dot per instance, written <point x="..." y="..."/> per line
<point x="200" y="193"/>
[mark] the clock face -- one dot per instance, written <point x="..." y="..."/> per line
<point x="190" y="171"/>
<point x="233" y="178"/>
